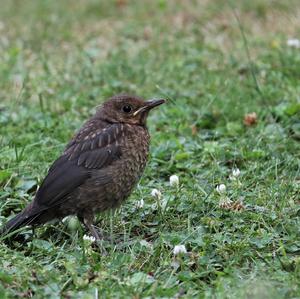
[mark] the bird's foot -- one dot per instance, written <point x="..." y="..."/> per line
<point x="97" y="234"/>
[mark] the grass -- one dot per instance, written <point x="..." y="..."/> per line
<point x="60" y="59"/>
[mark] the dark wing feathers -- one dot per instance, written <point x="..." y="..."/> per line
<point x="62" y="180"/>
<point x="94" y="151"/>
<point x="99" y="158"/>
<point x="98" y="149"/>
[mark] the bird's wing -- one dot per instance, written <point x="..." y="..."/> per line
<point x="95" y="150"/>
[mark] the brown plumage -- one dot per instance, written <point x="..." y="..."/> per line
<point x="98" y="169"/>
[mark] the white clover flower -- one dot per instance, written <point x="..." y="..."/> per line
<point x="156" y="193"/>
<point x="174" y="180"/>
<point x="89" y="238"/>
<point x="140" y="204"/>
<point x="293" y="42"/>
<point x="221" y="189"/>
<point x="179" y="249"/>
<point x="236" y="172"/>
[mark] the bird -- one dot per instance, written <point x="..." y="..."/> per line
<point x="98" y="168"/>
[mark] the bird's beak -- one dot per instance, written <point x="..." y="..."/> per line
<point x="153" y="103"/>
<point x="149" y="105"/>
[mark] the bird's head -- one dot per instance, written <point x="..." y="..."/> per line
<point x="127" y="109"/>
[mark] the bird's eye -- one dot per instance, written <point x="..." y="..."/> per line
<point x="127" y="108"/>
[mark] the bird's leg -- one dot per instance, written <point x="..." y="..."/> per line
<point x="95" y="233"/>
<point x="87" y="220"/>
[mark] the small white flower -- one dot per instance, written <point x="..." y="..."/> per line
<point x="221" y="189"/>
<point x="89" y="238"/>
<point x="156" y="193"/>
<point x="178" y="249"/>
<point x="174" y="180"/>
<point x="140" y="204"/>
<point x="236" y="172"/>
<point x="293" y="42"/>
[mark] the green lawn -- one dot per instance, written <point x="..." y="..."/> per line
<point x="215" y="61"/>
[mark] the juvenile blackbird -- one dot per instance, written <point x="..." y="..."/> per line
<point x="98" y="169"/>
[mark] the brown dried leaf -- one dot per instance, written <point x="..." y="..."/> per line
<point x="148" y="32"/>
<point x="227" y="204"/>
<point x="194" y="130"/>
<point x="121" y="3"/>
<point x="250" y="119"/>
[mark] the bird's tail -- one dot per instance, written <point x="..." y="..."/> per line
<point x="22" y="219"/>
